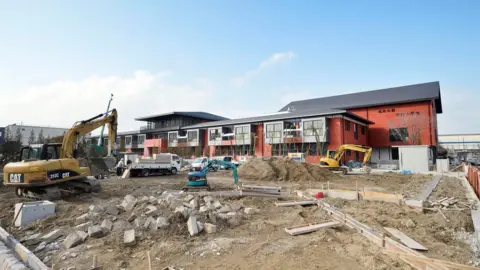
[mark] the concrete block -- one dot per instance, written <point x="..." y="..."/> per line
<point x="144" y="199"/>
<point x="106" y="225"/>
<point x="128" y="205"/>
<point x="132" y="217"/>
<point x="162" y="222"/>
<point x="129" y="198"/>
<point x="32" y="239"/>
<point x="182" y="210"/>
<point x="82" y="219"/>
<point x="208" y="199"/>
<point x="51" y="236"/>
<point x="148" y="223"/>
<point x="95" y="231"/>
<point x="152" y="200"/>
<point x="250" y="211"/>
<point x="129" y="238"/>
<point x="72" y="240"/>
<point x="32" y="211"/>
<point x="84" y="226"/>
<point x="194" y="204"/>
<point x="112" y="210"/>
<point x="96" y="208"/>
<point x="151" y="211"/>
<point x="200" y="226"/>
<point x="188" y="198"/>
<point x="40" y="247"/>
<point x="203" y="209"/>
<point x="192" y="226"/>
<point x="224" y="209"/>
<point x="217" y="205"/>
<point x="442" y="165"/>
<point x="83" y="235"/>
<point x="137" y="223"/>
<point x="414" y="203"/>
<point x="342" y="194"/>
<point x="210" y="228"/>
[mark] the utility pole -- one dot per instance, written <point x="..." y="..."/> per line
<point x="100" y="141"/>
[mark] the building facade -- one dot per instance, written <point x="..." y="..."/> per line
<point x="2" y="135"/>
<point x="32" y="134"/>
<point x="382" y="119"/>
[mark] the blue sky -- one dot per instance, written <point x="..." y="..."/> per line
<point x="235" y="58"/>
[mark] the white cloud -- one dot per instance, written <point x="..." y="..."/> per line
<point x="61" y="103"/>
<point x="273" y="60"/>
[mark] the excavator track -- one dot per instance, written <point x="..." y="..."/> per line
<point x="57" y="192"/>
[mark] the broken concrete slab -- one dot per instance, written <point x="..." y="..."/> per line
<point x="83" y="226"/>
<point x="40" y="247"/>
<point x="143" y="199"/>
<point x="27" y="212"/>
<point x="208" y="199"/>
<point x="210" y="228"/>
<point x="128" y="205"/>
<point x="51" y="236"/>
<point x="72" y="240"/>
<point x="162" y="222"/>
<point x="203" y="209"/>
<point x="106" y="225"/>
<point x="112" y="210"/>
<point x="82" y="219"/>
<point x="236" y="207"/>
<point x="194" y="204"/>
<point x="217" y="205"/>
<point x="96" y="208"/>
<point x="152" y="200"/>
<point x="82" y="235"/>
<point x="129" y="238"/>
<point x="129" y="198"/>
<point x="95" y="231"/>
<point x="188" y="198"/>
<point x="200" y="226"/>
<point x="224" y="209"/>
<point x="192" y="226"/>
<point x="182" y="210"/>
<point x="148" y="223"/>
<point x="137" y="223"/>
<point x="231" y="214"/>
<point x="132" y="217"/>
<point x="32" y="239"/>
<point x="151" y="211"/>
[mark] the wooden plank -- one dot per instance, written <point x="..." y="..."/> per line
<point x="409" y="242"/>
<point x="448" y="264"/>
<point x="307" y="228"/>
<point x="126" y="174"/>
<point x="284" y="204"/>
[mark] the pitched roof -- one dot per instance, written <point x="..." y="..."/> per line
<point x="395" y="95"/>
<point x="278" y="116"/>
<point x="201" y="115"/>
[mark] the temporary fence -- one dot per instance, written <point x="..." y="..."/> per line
<point x="472" y="175"/>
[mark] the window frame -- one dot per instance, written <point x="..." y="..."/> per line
<point x="403" y="133"/>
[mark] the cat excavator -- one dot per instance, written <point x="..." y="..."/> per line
<point x="44" y="171"/>
<point x="333" y="163"/>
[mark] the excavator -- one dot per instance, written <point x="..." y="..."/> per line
<point x="198" y="179"/>
<point x="333" y="163"/>
<point x="44" y="171"/>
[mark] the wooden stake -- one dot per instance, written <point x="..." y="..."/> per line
<point x="149" y="261"/>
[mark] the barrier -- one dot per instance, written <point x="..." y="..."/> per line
<point x="472" y="175"/>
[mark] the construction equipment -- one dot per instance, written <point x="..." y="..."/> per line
<point x="43" y="171"/>
<point x="198" y="179"/>
<point x="333" y="163"/>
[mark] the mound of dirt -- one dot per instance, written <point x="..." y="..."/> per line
<point x="283" y="169"/>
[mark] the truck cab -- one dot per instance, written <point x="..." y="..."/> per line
<point x="199" y="163"/>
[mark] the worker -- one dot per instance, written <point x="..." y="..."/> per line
<point x="120" y="167"/>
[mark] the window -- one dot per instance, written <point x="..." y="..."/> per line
<point x="192" y="136"/>
<point x="349" y="153"/>
<point x="355" y="131"/>
<point x="214" y="134"/>
<point x="357" y="156"/>
<point x="175" y="157"/>
<point x="275" y="149"/>
<point x="242" y="133"/>
<point x="141" y="139"/>
<point x="363" y="130"/>
<point x="274" y="130"/>
<point x="313" y="128"/>
<point x="398" y="134"/>
<point x="172" y="137"/>
<point x="128" y="140"/>
<point x="312" y="149"/>
<point x="395" y="153"/>
<point x="347" y="125"/>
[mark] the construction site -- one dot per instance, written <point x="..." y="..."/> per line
<point x="328" y="188"/>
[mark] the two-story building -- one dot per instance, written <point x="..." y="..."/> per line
<point x="405" y="115"/>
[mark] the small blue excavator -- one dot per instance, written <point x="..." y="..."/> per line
<point x="198" y="179"/>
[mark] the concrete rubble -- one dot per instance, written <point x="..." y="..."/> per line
<point x="83" y="226"/>
<point x="151" y="210"/>
<point x="210" y="228"/>
<point x="96" y="209"/>
<point x="106" y="225"/>
<point x="112" y="210"/>
<point x="95" y="231"/>
<point x="72" y="240"/>
<point x="129" y="238"/>
<point x="192" y="226"/>
<point x="51" y="236"/>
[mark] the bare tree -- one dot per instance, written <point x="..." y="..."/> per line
<point x="31" y="138"/>
<point x="408" y="127"/>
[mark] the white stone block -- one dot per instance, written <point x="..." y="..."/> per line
<point x="32" y="211"/>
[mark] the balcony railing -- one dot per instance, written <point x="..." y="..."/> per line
<point x="292" y="136"/>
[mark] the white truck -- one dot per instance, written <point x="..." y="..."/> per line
<point x="164" y="163"/>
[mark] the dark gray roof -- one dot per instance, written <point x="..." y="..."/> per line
<point x="278" y="116"/>
<point x="395" y="95"/>
<point x="201" y="115"/>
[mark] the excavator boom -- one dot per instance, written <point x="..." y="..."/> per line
<point x="334" y="163"/>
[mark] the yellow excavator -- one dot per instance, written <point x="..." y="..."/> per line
<point x="43" y="171"/>
<point x="333" y="163"/>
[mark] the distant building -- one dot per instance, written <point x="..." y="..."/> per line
<point x="26" y="131"/>
<point x="460" y="142"/>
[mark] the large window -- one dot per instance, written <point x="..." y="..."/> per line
<point x="172" y="137"/>
<point x="128" y="140"/>
<point x="192" y="136"/>
<point x="398" y="134"/>
<point x="347" y="125"/>
<point x="242" y="133"/>
<point x="141" y="138"/>
<point x="355" y="131"/>
<point x="313" y="128"/>
<point x="214" y="134"/>
<point x="274" y="130"/>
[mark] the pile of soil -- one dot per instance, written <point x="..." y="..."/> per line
<point x="283" y="169"/>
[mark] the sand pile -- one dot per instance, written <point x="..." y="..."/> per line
<point x="283" y="169"/>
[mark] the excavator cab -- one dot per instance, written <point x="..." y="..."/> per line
<point x="40" y="152"/>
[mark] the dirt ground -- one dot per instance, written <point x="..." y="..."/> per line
<point x="256" y="241"/>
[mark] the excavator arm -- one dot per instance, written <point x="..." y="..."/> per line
<point x="358" y="148"/>
<point x="81" y="128"/>
<point x="224" y="163"/>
